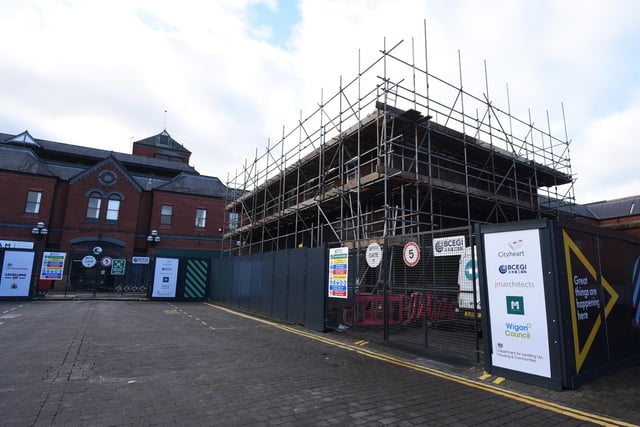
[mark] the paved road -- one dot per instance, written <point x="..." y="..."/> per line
<point x="110" y="363"/>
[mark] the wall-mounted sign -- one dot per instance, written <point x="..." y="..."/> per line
<point x="106" y="261"/>
<point x="88" y="261"/>
<point x="15" y="244"/>
<point x="52" y="265"/>
<point x="118" y="266"/>
<point x="140" y="260"/>
<point x="338" y="272"/>
<point x="411" y="254"/>
<point x="445" y="246"/>
<point x="373" y="255"/>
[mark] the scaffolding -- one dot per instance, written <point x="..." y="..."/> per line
<point x="396" y="151"/>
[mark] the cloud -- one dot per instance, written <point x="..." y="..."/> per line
<point x="233" y="74"/>
<point x="609" y="155"/>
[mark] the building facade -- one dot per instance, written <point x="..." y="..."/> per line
<point x="97" y="206"/>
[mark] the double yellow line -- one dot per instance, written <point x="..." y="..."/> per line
<point x="530" y="400"/>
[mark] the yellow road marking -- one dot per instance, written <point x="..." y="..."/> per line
<point x="498" y="380"/>
<point x="523" y="398"/>
<point x="485" y="376"/>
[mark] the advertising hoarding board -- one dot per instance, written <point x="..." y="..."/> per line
<point x="516" y="263"/>
<point x="16" y="273"/>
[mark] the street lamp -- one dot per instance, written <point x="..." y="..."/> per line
<point x="153" y="238"/>
<point x="39" y="231"/>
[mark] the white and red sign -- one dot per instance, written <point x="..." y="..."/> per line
<point x="411" y="254"/>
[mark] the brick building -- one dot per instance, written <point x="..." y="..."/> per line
<point x="99" y="205"/>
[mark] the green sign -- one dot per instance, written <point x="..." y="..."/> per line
<point x="515" y="305"/>
<point x="117" y="267"/>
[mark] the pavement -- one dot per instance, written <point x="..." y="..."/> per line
<point x="132" y="362"/>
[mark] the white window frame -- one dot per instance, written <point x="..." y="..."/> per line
<point x="166" y="214"/>
<point x="93" y="209"/>
<point x="113" y="208"/>
<point x="234" y="218"/>
<point x="201" y="218"/>
<point x="33" y="206"/>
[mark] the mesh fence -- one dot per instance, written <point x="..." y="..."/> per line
<point x="414" y="291"/>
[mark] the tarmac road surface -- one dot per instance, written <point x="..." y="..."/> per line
<point x="146" y="363"/>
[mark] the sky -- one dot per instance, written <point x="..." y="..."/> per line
<point x="226" y="77"/>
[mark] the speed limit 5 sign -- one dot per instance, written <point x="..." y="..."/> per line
<point x="411" y="254"/>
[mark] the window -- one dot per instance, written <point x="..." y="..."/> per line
<point x="113" y="207"/>
<point x="33" y="202"/>
<point x="201" y="218"/>
<point x="166" y="212"/>
<point x="93" y="208"/>
<point x="233" y="220"/>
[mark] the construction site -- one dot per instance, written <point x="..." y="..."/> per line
<point x="398" y="155"/>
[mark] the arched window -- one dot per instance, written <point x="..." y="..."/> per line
<point x="113" y="207"/>
<point x="93" y="207"/>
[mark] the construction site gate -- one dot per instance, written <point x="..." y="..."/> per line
<point x="414" y="291"/>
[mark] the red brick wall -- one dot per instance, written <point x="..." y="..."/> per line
<point x="146" y="151"/>
<point x="16" y="223"/>
<point x="76" y="224"/>
<point x="182" y="233"/>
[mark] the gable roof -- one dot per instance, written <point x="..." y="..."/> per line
<point x="112" y="161"/>
<point x="162" y="140"/>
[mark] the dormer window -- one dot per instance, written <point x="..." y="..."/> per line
<point x="24" y="139"/>
<point x="163" y="139"/>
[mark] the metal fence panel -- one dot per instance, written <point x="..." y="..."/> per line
<point x="316" y="289"/>
<point x="280" y="285"/>
<point x="296" y="285"/>
<point x="255" y="285"/>
<point x="412" y="298"/>
<point x="266" y="296"/>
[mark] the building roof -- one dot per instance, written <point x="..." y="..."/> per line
<point x="196" y="184"/>
<point x="23" y="153"/>
<point x="162" y="140"/>
<point x="22" y="160"/>
<point x="618" y="208"/>
<point x="61" y="153"/>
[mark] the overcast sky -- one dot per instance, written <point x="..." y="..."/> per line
<point x="230" y="74"/>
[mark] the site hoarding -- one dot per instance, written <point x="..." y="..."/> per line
<point x="165" y="278"/>
<point x="16" y="270"/>
<point x="602" y="289"/>
<point x="516" y="295"/>
<point x="579" y="284"/>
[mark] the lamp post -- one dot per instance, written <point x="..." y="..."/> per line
<point x="153" y="238"/>
<point x="39" y="231"/>
<point x="221" y="231"/>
